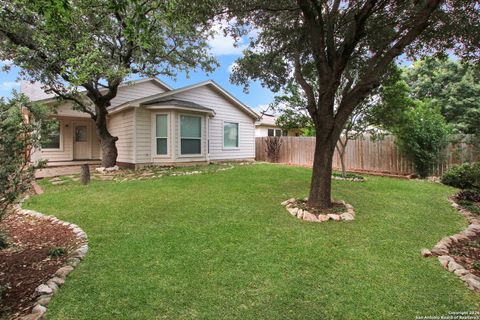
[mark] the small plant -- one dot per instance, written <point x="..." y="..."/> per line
<point x="476" y="265"/>
<point x="464" y="176"/>
<point x="347" y="175"/>
<point x="470" y="206"/>
<point x="3" y="240"/>
<point x="56" y="252"/>
<point x="469" y="195"/>
<point x="273" y="148"/>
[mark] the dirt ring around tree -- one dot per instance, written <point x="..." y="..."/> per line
<point x="340" y="211"/>
<point x="30" y="274"/>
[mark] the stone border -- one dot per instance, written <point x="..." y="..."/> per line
<point x="348" y="215"/>
<point x="349" y="179"/>
<point x="442" y="248"/>
<point x="48" y="289"/>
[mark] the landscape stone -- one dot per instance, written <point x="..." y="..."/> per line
<point x="309" y="216"/>
<point x="347" y="216"/>
<point x="43" y="289"/>
<point x="52" y="285"/>
<point x="460" y="272"/>
<point x="44" y="300"/>
<point x="472" y="281"/>
<point x="63" y="272"/>
<point x="323" y="217"/>
<point x="333" y="216"/>
<point x="426" y="253"/>
<point x="300" y="214"/>
<point x="58" y="281"/>
<point x="445" y="260"/>
<point x="452" y="266"/>
<point x="39" y="309"/>
<point x="439" y="250"/>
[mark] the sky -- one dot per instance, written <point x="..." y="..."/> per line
<point x="226" y="53"/>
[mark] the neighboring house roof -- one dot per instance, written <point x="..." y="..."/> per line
<point x="182" y="104"/>
<point x="267" y="120"/>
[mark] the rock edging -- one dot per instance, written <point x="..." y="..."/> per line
<point x="48" y="289"/>
<point x="442" y="249"/>
<point x="349" y="179"/>
<point x="303" y="214"/>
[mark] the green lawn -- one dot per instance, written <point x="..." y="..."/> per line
<point x="220" y="246"/>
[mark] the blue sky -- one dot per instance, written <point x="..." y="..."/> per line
<point x="225" y="51"/>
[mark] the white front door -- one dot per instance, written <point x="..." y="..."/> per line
<point x="81" y="140"/>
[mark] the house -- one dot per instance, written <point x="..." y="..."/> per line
<point x="266" y="127"/>
<point x="158" y="125"/>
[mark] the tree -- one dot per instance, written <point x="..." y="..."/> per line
<point x="90" y="45"/>
<point x="17" y="138"/>
<point x="349" y="45"/>
<point x="423" y="135"/>
<point x="454" y="85"/>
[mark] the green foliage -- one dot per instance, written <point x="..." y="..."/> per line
<point x="454" y="85"/>
<point x="469" y="195"/>
<point x="56" y="252"/>
<point x="3" y="242"/>
<point x="476" y="265"/>
<point x="470" y="206"/>
<point x="17" y="138"/>
<point x="423" y="136"/>
<point x="464" y="176"/>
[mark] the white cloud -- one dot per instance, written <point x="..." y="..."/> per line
<point x="6" y="63"/>
<point x="231" y="66"/>
<point x="262" y="107"/>
<point x="9" y="85"/>
<point x="222" y="45"/>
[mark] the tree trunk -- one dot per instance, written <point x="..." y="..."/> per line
<point x="320" y="188"/>
<point x="107" y="141"/>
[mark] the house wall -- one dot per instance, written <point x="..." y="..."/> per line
<point x="65" y="152"/>
<point x="136" y="91"/>
<point x="225" y="110"/>
<point x="122" y="125"/>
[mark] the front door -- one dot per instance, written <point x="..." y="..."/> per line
<point x="81" y="141"/>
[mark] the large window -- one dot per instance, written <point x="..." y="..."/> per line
<point x="52" y="140"/>
<point x="161" y="134"/>
<point x="190" y="135"/>
<point x="230" y="135"/>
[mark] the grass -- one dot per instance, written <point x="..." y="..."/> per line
<point x="220" y="246"/>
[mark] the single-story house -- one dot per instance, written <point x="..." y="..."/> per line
<point x="158" y="125"/>
<point x="266" y="127"/>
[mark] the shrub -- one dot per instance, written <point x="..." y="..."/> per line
<point x="469" y="195"/>
<point x="17" y="138"/>
<point x="56" y="252"/>
<point x="3" y="239"/>
<point x="464" y="176"/>
<point x="422" y="135"/>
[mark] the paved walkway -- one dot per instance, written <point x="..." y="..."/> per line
<point x="62" y="170"/>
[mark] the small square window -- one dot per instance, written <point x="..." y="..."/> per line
<point x="271" y="132"/>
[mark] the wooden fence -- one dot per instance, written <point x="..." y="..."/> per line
<point x="365" y="155"/>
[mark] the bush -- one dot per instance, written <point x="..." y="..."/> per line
<point x="422" y="135"/>
<point x="56" y="252"/>
<point x="469" y="195"/>
<point x="3" y="239"/>
<point x="17" y="138"/>
<point x="464" y="176"/>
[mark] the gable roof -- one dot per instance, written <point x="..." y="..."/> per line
<point x="37" y="87"/>
<point x="179" y="103"/>
<point x="210" y="83"/>
<point x="267" y="120"/>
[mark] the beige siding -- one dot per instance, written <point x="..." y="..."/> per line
<point x="132" y="92"/>
<point x="144" y="135"/>
<point x="224" y="111"/>
<point x="65" y="153"/>
<point x="121" y="125"/>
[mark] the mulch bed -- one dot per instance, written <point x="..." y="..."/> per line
<point x="467" y="254"/>
<point x="25" y="264"/>
<point x="337" y="208"/>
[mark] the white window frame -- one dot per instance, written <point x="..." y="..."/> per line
<point x="202" y="136"/>
<point x="154" y="134"/>
<point x="60" y="144"/>
<point x="238" y="135"/>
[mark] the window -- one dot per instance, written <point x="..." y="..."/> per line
<point x="80" y="133"/>
<point x="271" y="132"/>
<point x="278" y="133"/>
<point x="230" y="135"/>
<point x="190" y="135"/>
<point x="161" y="134"/>
<point x="52" y="140"/>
